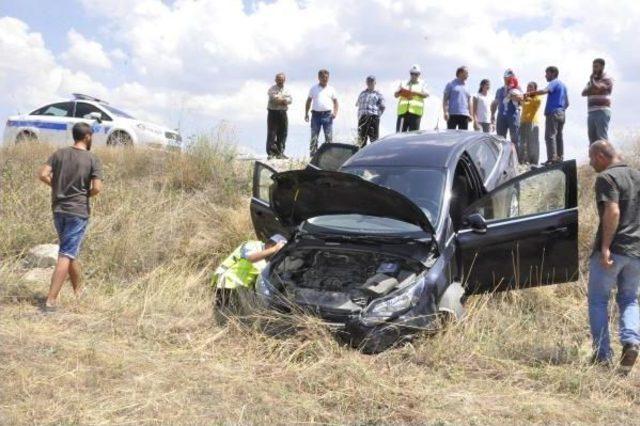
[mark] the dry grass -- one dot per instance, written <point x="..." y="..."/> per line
<point x="142" y="346"/>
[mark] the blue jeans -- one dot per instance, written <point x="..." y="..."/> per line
<point x="511" y="124"/>
<point x="625" y="274"/>
<point x="320" y="119"/>
<point x="598" y="124"/>
<point x="71" y="231"/>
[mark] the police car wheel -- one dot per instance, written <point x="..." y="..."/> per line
<point x="26" y="137"/>
<point x="120" y="139"/>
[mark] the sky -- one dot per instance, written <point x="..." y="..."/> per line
<point x="204" y="66"/>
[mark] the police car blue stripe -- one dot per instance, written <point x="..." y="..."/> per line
<point x="38" y="124"/>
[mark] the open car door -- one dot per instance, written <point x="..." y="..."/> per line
<point x="265" y="222"/>
<point x="330" y="156"/>
<point x="522" y="234"/>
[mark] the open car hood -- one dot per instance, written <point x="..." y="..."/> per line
<point x="299" y="195"/>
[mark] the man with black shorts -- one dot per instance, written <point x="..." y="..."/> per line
<point x="74" y="174"/>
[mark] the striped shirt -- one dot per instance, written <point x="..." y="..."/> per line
<point x="370" y="102"/>
<point x="599" y="93"/>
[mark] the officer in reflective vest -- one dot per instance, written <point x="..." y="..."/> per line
<point x="243" y="266"/>
<point x="411" y="96"/>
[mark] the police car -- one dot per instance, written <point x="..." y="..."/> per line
<point x="52" y="123"/>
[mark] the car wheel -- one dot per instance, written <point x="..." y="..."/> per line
<point x="120" y="139"/>
<point x="26" y="137"/>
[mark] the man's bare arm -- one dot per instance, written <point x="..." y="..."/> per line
<point x="96" y="187"/>
<point x="610" y="222"/>
<point x="307" y="106"/>
<point x="45" y="174"/>
<point x="474" y="110"/>
<point x="335" y="107"/>
<point x="263" y="254"/>
<point x="537" y="93"/>
<point x="494" y="107"/>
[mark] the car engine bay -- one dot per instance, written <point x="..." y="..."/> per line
<point x="342" y="281"/>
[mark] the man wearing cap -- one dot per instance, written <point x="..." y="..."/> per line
<point x="456" y="102"/>
<point x="411" y="96"/>
<point x="508" y="119"/>
<point x="243" y="266"/>
<point x="370" y="107"/>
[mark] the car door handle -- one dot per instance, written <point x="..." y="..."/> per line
<point x="554" y="231"/>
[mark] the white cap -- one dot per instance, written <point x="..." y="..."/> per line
<point x="415" y="68"/>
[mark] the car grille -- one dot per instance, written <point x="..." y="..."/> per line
<point x="173" y="136"/>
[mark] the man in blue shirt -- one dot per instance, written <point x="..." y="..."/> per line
<point x="554" y="112"/>
<point x="456" y="102"/>
<point x="508" y="111"/>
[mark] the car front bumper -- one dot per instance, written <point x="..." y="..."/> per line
<point x="352" y="330"/>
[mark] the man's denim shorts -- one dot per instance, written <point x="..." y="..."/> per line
<point x="71" y="231"/>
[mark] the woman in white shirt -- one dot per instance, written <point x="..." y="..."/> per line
<point x="482" y="108"/>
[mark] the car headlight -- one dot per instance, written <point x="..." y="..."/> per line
<point x="394" y="304"/>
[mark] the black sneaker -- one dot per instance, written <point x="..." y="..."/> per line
<point x="628" y="358"/>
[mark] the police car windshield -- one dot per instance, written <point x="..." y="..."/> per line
<point x="116" y="111"/>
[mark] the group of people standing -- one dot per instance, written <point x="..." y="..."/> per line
<point x="512" y="111"/>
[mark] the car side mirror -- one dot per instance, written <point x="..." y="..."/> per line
<point x="476" y="223"/>
<point x="94" y="116"/>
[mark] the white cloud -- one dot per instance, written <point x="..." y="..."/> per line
<point x="84" y="53"/>
<point x="29" y="73"/>
<point x="118" y="55"/>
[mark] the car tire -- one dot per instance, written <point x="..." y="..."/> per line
<point x="26" y="137"/>
<point x="120" y="138"/>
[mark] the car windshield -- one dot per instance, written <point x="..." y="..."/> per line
<point x="425" y="187"/>
<point x="116" y="111"/>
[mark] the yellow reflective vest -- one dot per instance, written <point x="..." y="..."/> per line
<point x="413" y="105"/>
<point x="236" y="271"/>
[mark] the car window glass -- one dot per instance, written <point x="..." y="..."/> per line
<point x="83" y="109"/>
<point x="540" y="193"/>
<point x="422" y="186"/>
<point x="331" y="157"/>
<point x="61" y="109"/>
<point x="264" y="183"/>
<point x="484" y="157"/>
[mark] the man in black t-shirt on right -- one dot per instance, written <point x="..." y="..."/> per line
<point x="615" y="261"/>
<point x="74" y="174"/>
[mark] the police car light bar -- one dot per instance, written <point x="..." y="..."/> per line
<point x="88" y="98"/>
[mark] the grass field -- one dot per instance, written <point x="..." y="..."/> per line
<point x="142" y="347"/>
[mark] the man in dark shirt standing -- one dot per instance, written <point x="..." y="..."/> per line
<point x="370" y="105"/>
<point x="616" y="254"/>
<point x="277" y="121"/>
<point x="74" y="174"/>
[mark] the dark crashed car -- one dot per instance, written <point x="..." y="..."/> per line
<point x="385" y="239"/>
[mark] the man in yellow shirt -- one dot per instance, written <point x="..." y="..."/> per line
<point x="529" y="147"/>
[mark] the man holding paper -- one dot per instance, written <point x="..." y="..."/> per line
<point x="411" y="96"/>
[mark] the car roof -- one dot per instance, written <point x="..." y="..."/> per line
<point x="433" y="149"/>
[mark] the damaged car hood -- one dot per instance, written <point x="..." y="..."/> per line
<point x="299" y="195"/>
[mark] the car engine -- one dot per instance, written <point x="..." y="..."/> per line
<point x="346" y="280"/>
